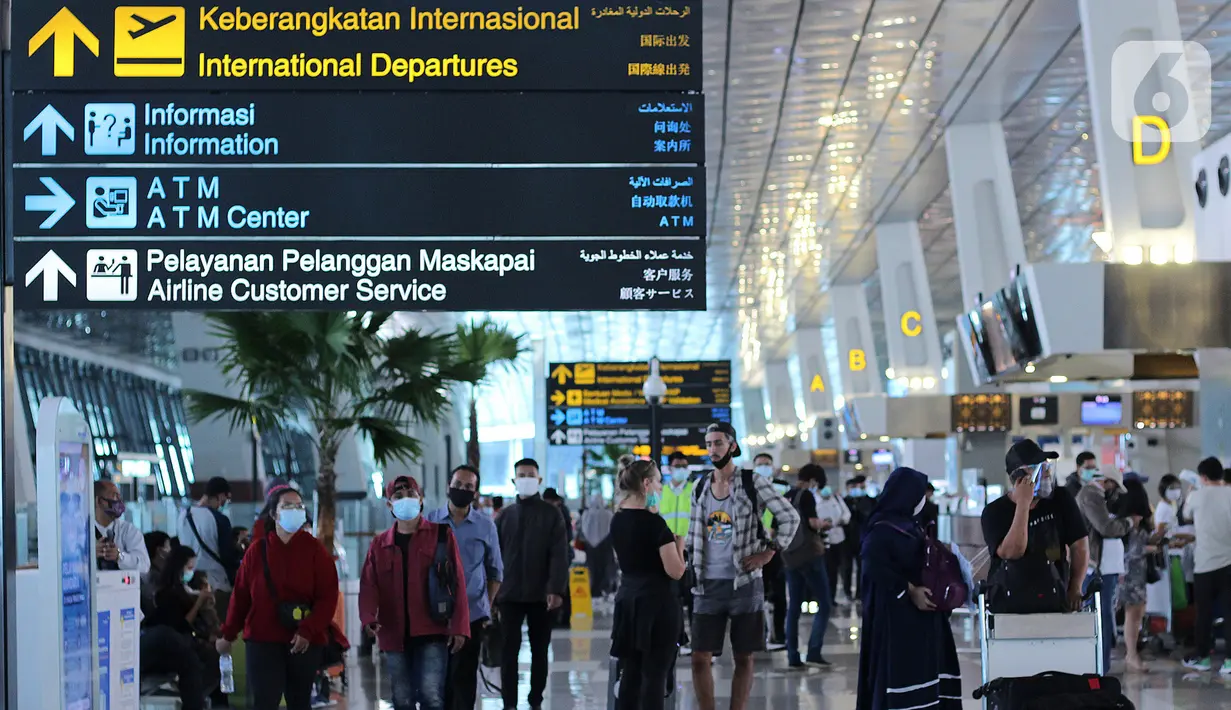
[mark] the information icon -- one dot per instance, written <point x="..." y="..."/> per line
<point x="110" y="129"/>
<point x="112" y="203"/>
<point x="111" y="275"/>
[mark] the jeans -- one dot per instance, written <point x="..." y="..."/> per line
<point x="274" y="672"/>
<point x="834" y="555"/>
<point x="463" y="687"/>
<point x="645" y="677"/>
<point x="417" y="675"/>
<point x="538" y="621"/>
<point x="1210" y="589"/>
<point x="815" y="577"/>
<point x="1108" y="601"/>
<point x="165" y="650"/>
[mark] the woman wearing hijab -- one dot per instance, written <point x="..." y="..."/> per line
<point x="893" y="675"/>
<point x="595" y="533"/>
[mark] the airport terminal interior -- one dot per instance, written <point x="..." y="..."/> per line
<point x="933" y="290"/>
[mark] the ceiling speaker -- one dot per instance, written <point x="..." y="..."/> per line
<point x="1224" y="175"/>
<point x="1203" y="188"/>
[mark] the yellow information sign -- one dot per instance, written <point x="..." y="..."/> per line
<point x="573" y="398"/>
<point x="579" y="595"/>
<point x="818" y="385"/>
<point x="584" y="373"/>
<point x="149" y="41"/>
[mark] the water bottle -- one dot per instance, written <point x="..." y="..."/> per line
<point x="226" y="668"/>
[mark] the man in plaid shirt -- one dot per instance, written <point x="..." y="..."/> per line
<point x="728" y="546"/>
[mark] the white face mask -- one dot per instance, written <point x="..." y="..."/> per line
<point x="919" y="507"/>
<point x="764" y="471"/>
<point x="527" y="487"/>
<point x="1173" y="494"/>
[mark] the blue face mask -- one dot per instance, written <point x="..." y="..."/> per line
<point x="292" y="519"/>
<point x="858" y="493"/>
<point x="826" y="492"/>
<point x="764" y="471"/>
<point x="407" y="508"/>
<point x="652" y="499"/>
<point x="1088" y="474"/>
<point x="188" y="575"/>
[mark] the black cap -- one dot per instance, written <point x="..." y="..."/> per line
<point x="723" y="428"/>
<point x="1026" y="453"/>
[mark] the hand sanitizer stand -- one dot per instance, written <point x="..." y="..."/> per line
<point x="91" y="640"/>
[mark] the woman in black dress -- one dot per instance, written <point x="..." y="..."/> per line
<point x="647" y="626"/>
<point x="908" y="658"/>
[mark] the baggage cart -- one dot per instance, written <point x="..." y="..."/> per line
<point x="1018" y="645"/>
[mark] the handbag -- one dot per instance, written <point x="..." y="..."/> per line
<point x="289" y="613"/>
<point x="1054" y="691"/>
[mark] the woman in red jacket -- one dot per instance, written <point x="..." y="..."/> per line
<point x="284" y="600"/>
<point x="394" y="599"/>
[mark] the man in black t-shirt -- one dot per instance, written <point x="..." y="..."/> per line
<point x="1037" y="518"/>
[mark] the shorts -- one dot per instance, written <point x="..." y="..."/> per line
<point x="719" y="601"/>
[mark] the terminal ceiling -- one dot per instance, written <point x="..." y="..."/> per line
<point x="825" y="117"/>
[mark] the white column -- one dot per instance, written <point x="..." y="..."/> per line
<point x="813" y="372"/>
<point x="1137" y="66"/>
<point x="780" y="394"/>
<point x="985" y="219"/>
<point x="754" y="411"/>
<point x="856" y="348"/>
<point x="538" y="366"/>
<point x="910" y="322"/>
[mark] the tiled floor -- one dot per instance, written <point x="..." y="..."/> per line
<point x="579" y="677"/>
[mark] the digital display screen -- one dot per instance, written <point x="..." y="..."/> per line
<point x="1102" y="410"/>
<point x="1038" y="411"/>
<point x="854" y="456"/>
<point x="1163" y="409"/>
<point x="981" y="412"/>
<point x="76" y="565"/>
<point x="882" y="457"/>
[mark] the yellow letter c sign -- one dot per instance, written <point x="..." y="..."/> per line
<point x="912" y="324"/>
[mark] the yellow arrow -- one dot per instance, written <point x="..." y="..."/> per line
<point x="561" y="373"/>
<point x="557" y="398"/>
<point x="65" y="27"/>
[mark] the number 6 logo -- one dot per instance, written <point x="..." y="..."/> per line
<point x="1164" y="88"/>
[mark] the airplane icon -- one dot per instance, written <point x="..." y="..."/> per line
<point x="148" y="26"/>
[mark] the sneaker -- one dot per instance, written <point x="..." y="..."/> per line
<point x="1225" y="671"/>
<point x="685" y="651"/>
<point x="818" y="661"/>
<point x="1197" y="664"/>
<point x="775" y="647"/>
<point x="796" y="665"/>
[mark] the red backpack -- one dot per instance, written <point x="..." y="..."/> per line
<point x="942" y="573"/>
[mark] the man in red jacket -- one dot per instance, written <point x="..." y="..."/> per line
<point x="406" y="608"/>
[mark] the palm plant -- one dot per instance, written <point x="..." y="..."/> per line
<point x="340" y="374"/>
<point x="487" y="345"/>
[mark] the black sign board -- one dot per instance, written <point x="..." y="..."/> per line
<point x="591" y="403"/>
<point x="361" y="128"/>
<point x="1043" y="410"/>
<point x="294" y="201"/>
<point x="423" y="275"/>
<point x="375" y="45"/>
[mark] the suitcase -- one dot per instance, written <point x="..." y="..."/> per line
<point x="613" y="687"/>
<point x="1054" y="691"/>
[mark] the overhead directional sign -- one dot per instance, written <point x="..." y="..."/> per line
<point x="374" y="45"/>
<point x="367" y="128"/>
<point x="595" y="403"/>
<point x="199" y="156"/>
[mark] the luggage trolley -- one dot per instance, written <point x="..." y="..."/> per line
<point x="1017" y="645"/>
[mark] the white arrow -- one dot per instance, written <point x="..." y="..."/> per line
<point x="51" y="267"/>
<point x="58" y="203"/>
<point x="49" y="121"/>
<point x="557" y="436"/>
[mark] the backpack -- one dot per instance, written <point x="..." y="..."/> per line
<point x="441" y="580"/>
<point x="808" y="544"/>
<point x="1030" y="584"/>
<point x="942" y="573"/>
<point x="748" y="478"/>
<point x="1054" y="691"/>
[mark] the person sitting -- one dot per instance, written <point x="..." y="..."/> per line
<point x="164" y="650"/>
<point x="179" y="607"/>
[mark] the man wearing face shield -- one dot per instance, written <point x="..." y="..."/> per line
<point x="1036" y="537"/>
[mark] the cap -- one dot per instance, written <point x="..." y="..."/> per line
<point x="1026" y="453"/>
<point x="1134" y="476"/>
<point x="1111" y="473"/>
<point x="402" y="482"/>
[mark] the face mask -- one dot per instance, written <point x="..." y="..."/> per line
<point x="919" y="507"/>
<point x="826" y="492"/>
<point x="187" y="576"/>
<point x="292" y="519"/>
<point x="114" y="507"/>
<point x="407" y="508"/>
<point x="527" y="487"/>
<point x="782" y="488"/>
<point x="1173" y="494"/>
<point x="460" y="497"/>
<point x="858" y="492"/>
<point x="652" y="499"/>
<point x="1046" y="487"/>
<point x="764" y="471"/>
<point x="1088" y="474"/>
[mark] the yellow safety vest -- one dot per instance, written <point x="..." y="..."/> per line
<point x="676" y="508"/>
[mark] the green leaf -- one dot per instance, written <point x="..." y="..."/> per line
<point x="389" y="443"/>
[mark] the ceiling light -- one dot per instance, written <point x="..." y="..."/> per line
<point x="863" y="436"/>
<point x="1029" y="368"/>
<point x="1103" y="241"/>
<point x="929" y="383"/>
<point x="1132" y="255"/>
<point x="1183" y="253"/>
<point x="1160" y="254"/>
<point x="884" y="439"/>
<point x="1058" y="379"/>
<point x="858" y="467"/>
<point x="944" y="373"/>
<point x="916" y="383"/>
<point x="889" y="373"/>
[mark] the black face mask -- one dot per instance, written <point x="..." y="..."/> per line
<point x="461" y="497"/>
<point x="726" y="459"/>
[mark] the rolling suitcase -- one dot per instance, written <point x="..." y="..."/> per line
<point x="613" y="687"/>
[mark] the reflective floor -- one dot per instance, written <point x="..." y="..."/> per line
<point x="579" y="677"/>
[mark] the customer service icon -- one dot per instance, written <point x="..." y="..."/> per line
<point x="112" y="203"/>
<point x="111" y="275"/>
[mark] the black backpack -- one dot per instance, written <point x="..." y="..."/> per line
<point x="1031" y="584"/>
<point x="1054" y="691"/>
<point x="442" y="580"/>
<point x="748" y="478"/>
